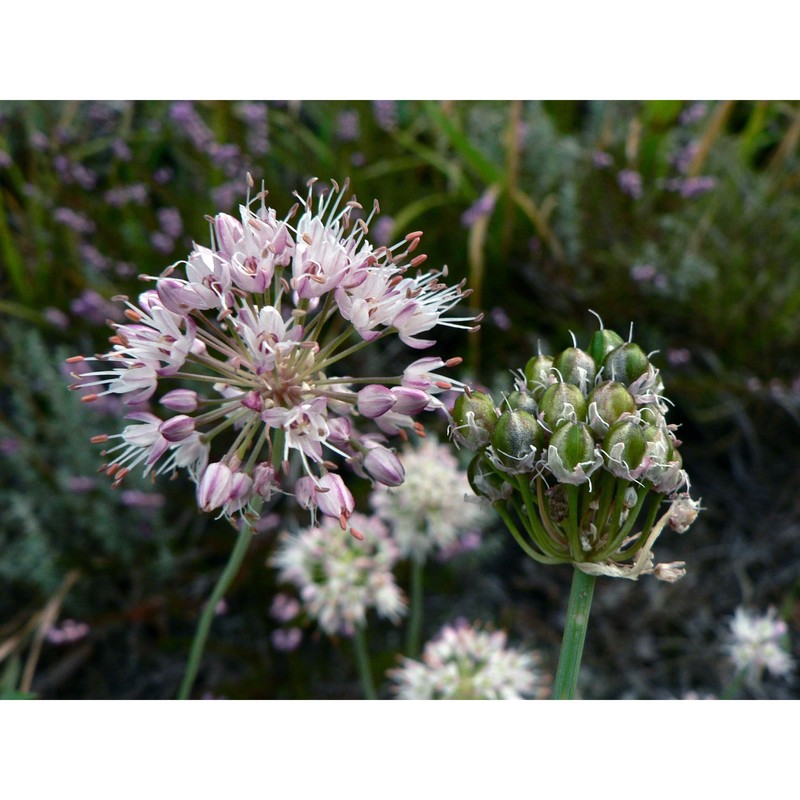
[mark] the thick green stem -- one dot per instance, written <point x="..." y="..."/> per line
<point x="415" y="612"/>
<point x="569" y="662"/>
<point x="362" y="660"/>
<point x="207" y="617"/>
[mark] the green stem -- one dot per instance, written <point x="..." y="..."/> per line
<point x="207" y="617"/>
<point x="415" y="613"/>
<point x="362" y="660"/>
<point x="569" y="661"/>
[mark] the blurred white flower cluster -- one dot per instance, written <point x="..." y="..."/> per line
<point x="433" y="507"/>
<point x="464" y="662"/>
<point x="341" y="577"/>
<point x="757" y="644"/>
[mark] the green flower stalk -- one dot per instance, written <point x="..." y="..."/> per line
<point x="580" y="463"/>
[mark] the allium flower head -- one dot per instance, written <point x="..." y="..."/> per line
<point x="579" y="458"/>
<point x="244" y="340"/>
<point x="340" y="578"/>
<point x="430" y="509"/>
<point x="757" y="643"/>
<point x="465" y="662"/>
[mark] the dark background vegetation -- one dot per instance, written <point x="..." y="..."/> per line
<point x="680" y="217"/>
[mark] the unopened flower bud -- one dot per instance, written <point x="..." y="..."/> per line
<point x="659" y="445"/>
<point x="625" y="445"/>
<point x="571" y="454"/>
<point x="215" y="486"/>
<point x="538" y="374"/>
<point x="562" y="402"/>
<point x="375" y="400"/>
<point x="474" y="418"/>
<point x="182" y="400"/>
<point x="409" y="401"/>
<point x="625" y="363"/>
<point x="577" y="367"/>
<point x="264" y="483"/>
<point x="603" y="342"/>
<point x="384" y="466"/>
<point x="607" y="402"/>
<point x="240" y="493"/>
<point x="177" y="428"/>
<point x="516" y="439"/>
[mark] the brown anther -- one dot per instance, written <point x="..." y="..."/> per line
<point x="133" y="316"/>
<point x="250" y="182"/>
<point x="112" y="469"/>
<point x="402" y="434"/>
<point x="115" y="340"/>
<point x="376" y="206"/>
<point x="99" y="439"/>
<point x="335" y="186"/>
<point x="89" y="398"/>
<point x="419" y="429"/>
<point x="413" y="236"/>
<point x="453" y="362"/>
<point x="417" y="260"/>
<point x="413" y="246"/>
<point x="120" y="298"/>
<point x="356" y="534"/>
<point x="363" y="226"/>
<point x="343" y="521"/>
<point x="445" y="385"/>
<point x="75" y="359"/>
<point x="307" y="239"/>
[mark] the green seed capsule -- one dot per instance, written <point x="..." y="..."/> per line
<point x="484" y="481"/>
<point x="537" y="373"/>
<point x="603" y="342"/>
<point x="570" y="454"/>
<point x="475" y="418"/>
<point x="625" y="363"/>
<point x="607" y="403"/>
<point x="562" y="402"/>
<point x="625" y="445"/>
<point x="659" y="444"/>
<point x="516" y="439"/>
<point x="576" y="366"/>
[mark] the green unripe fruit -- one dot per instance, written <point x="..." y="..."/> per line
<point x="516" y="439"/>
<point x="606" y="403"/>
<point x="603" y="342"/>
<point x="537" y="373"/>
<point x="576" y="366"/>
<point x="562" y="402"/>
<point x="625" y="445"/>
<point x="484" y="481"/>
<point x="659" y="445"/>
<point x="475" y="418"/>
<point x="571" y="453"/>
<point x="625" y="363"/>
<point x="522" y="401"/>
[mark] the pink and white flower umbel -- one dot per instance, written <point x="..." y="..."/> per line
<point x="245" y="348"/>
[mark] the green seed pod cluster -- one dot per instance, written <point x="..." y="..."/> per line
<point x="577" y="451"/>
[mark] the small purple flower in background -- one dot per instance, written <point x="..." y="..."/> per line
<point x="382" y="230"/>
<point x="121" y="150"/>
<point x="9" y="447"/>
<point x="500" y="318"/>
<point x="184" y="115"/>
<point x="630" y="182"/>
<point x="79" y="484"/>
<point x="72" y="219"/>
<point x="684" y="157"/>
<point x="161" y="242"/>
<point x="286" y="639"/>
<point x="348" y="126"/>
<point x="647" y="273"/>
<point x="170" y="221"/>
<point x="56" y="317"/>
<point x="601" y="159"/>
<point x="482" y="207"/>
<point x="39" y="140"/>
<point x="693" y="113"/>
<point x="94" y="307"/>
<point x="68" y="632"/>
<point x="137" y="499"/>
<point x="135" y="194"/>
<point x="678" y="356"/>
<point x="255" y="115"/>
<point x="163" y="175"/>
<point x="385" y="114"/>
<point x="358" y="159"/>
<point x="93" y="257"/>
<point x="700" y="184"/>
<point x="284" y="608"/>
<point x="466" y="662"/>
<point x="5" y="160"/>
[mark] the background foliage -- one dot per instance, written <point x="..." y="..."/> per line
<point x="679" y="217"/>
